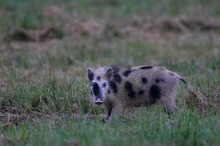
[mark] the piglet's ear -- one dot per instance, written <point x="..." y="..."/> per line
<point x="90" y="74"/>
<point x="108" y="73"/>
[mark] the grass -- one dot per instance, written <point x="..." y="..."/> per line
<point x="146" y="128"/>
<point x="43" y="86"/>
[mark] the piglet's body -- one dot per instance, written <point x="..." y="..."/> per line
<point x="119" y="87"/>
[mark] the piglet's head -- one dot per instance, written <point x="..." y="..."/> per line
<point x="99" y="79"/>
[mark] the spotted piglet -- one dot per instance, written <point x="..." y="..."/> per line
<point x="118" y="87"/>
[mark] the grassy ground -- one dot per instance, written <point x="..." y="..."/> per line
<point x="46" y="46"/>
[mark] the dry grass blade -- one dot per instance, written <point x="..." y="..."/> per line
<point x="198" y="100"/>
<point x="38" y="114"/>
<point x="8" y="118"/>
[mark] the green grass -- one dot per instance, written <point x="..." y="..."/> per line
<point x="43" y="86"/>
<point x="146" y="128"/>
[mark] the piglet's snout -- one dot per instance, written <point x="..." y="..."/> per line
<point x="99" y="101"/>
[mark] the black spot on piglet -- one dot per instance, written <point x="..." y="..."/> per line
<point x="117" y="78"/>
<point x="158" y="80"/>
<point x="155" y="91"/>
<point x="144" y="80"/>
<point x="146" y="67"/>
<point x="113" y="86"/>
<point x="126" y="73"/>
<point x="129" y="88"/>
<point x="98" y="78"/>
<point x="141" y="92"/>
<point x="96" y="89"/>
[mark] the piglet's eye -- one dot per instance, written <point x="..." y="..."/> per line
<point x="104" y="85"/>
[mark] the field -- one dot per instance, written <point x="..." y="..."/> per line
<point x="47" y="45"/>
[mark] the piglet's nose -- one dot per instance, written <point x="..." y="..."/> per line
<point x="98" y="101"/>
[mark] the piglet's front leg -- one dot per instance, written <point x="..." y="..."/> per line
<point x="114" y="110"/>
